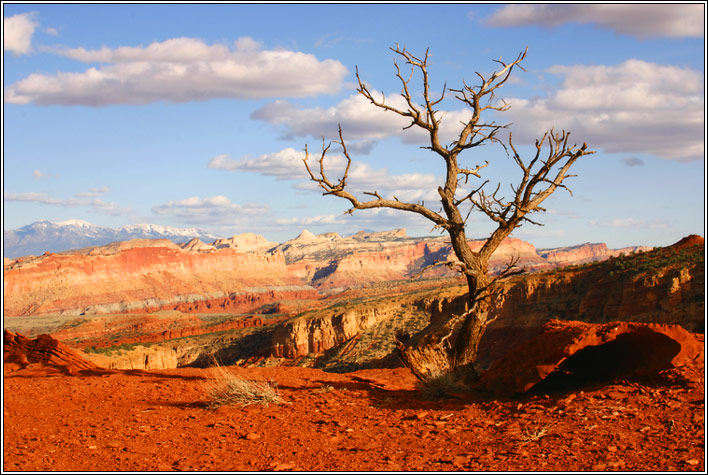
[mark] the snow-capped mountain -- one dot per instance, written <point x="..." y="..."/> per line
<point x="42" y="236"/>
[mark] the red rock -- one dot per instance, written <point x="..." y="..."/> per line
<point x="20" y="351"/>
<point x="644" y="348"/>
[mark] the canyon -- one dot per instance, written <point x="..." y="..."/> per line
<point x="595" y="365"/>
<point x="245" y="273"/>
<point x="327" y="301"/>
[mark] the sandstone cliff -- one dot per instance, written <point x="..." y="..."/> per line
<point x="141" y="276"/>
<point x="587" y="252"/>
<point x="242" y="273"/>
<point x="663" y="286"/>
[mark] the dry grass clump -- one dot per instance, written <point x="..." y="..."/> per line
<point x="225" y="388"/>
<point x="534" y="434"/>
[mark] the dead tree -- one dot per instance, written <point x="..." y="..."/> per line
<point x="451" y="344"/>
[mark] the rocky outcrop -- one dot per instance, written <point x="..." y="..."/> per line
<point x="587" y="252"/>
<point x="197" y="245"/>
<point x="141" y="276"/>
<point x="570" y="353"/>
<point x="304" y="335"/>
<point x="240" y="274"/>
<point x="20" y="351"/>
<point x="651" y="287"/>
<point x="246" y="242"/>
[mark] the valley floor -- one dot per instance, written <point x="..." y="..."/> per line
<point x="362" y="421"/>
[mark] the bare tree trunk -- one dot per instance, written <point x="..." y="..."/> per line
<point x="450" y="342"/>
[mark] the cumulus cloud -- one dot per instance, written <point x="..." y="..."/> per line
<point x="287" y="165"/>
<point x="212" y="210"/>
<point x="180" y="70"/>
<point x="283" y="165"/>
<point x="360" y="120"/>
<point x="18" y="31"/>
<point x="633" y="107"/>
<point x="78" y="200"/>
<point x="641" y="21"/>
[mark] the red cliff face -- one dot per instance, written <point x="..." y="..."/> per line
<point x="651" y="288"/>
<point x="152" y="275"/>
<point x="242" y="273"/>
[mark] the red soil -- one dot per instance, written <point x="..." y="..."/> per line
<point x="367" y="420"/>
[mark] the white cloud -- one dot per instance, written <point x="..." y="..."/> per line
<point x="283" y="165"/>
<point x="18" y="31"/>
<point x="639" y="20"/>
<point x="372" y="219"/>
<point x="360" y="121"/>
<point x="287" y="164"/>
<point x="78" y="200"/>
<point x="633" y="107"/>
<point x="180" y="70"/>
<point x="213" y="210"/>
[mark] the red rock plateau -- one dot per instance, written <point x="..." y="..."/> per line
<point x="368" y="420"/>
<point x="242" y="274"/>
<point x="145" y="276"/>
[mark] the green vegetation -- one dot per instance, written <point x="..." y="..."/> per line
<point x="657" y="259"/>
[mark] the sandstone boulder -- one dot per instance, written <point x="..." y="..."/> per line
<point x="569" y="353"/>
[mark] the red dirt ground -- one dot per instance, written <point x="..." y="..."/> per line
<point x="362" y="421"/>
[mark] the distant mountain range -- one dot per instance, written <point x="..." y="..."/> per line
<point x="42" y="236"/>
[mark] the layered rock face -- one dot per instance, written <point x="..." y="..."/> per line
<point x="242" y="273"/>
<point x="587" y="252"/>
<point x="20" y="351"/>
<point x="331" y="262"/>
<point x="147" y="275"/>
<point x="650" y="288"/>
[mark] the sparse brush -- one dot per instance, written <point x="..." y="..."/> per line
<point x="532" y="435"/>
<point x="226" y="388"/>
<point x="323" y="389"/>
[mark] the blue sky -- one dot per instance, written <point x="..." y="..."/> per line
<point x="198" y="115"/>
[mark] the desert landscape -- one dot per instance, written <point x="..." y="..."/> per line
<point x="354" y="237"/>
<point x="112" y="353"/>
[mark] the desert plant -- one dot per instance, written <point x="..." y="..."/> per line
<point x="226" y="388"/>
<point x="534" y="434"/>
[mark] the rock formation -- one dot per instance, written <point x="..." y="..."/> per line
<point x="651" y="287"/>
<point x="240" y="274"/>
<point x="570" y="353"/>
<point x="144" y="276"/>
<point x="20" y="351"/>
<point x="587" y="252"/>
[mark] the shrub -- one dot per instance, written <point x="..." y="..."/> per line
<point x="226" y="388"/>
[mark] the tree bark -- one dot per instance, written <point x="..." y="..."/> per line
<point x="450" y="343"/>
